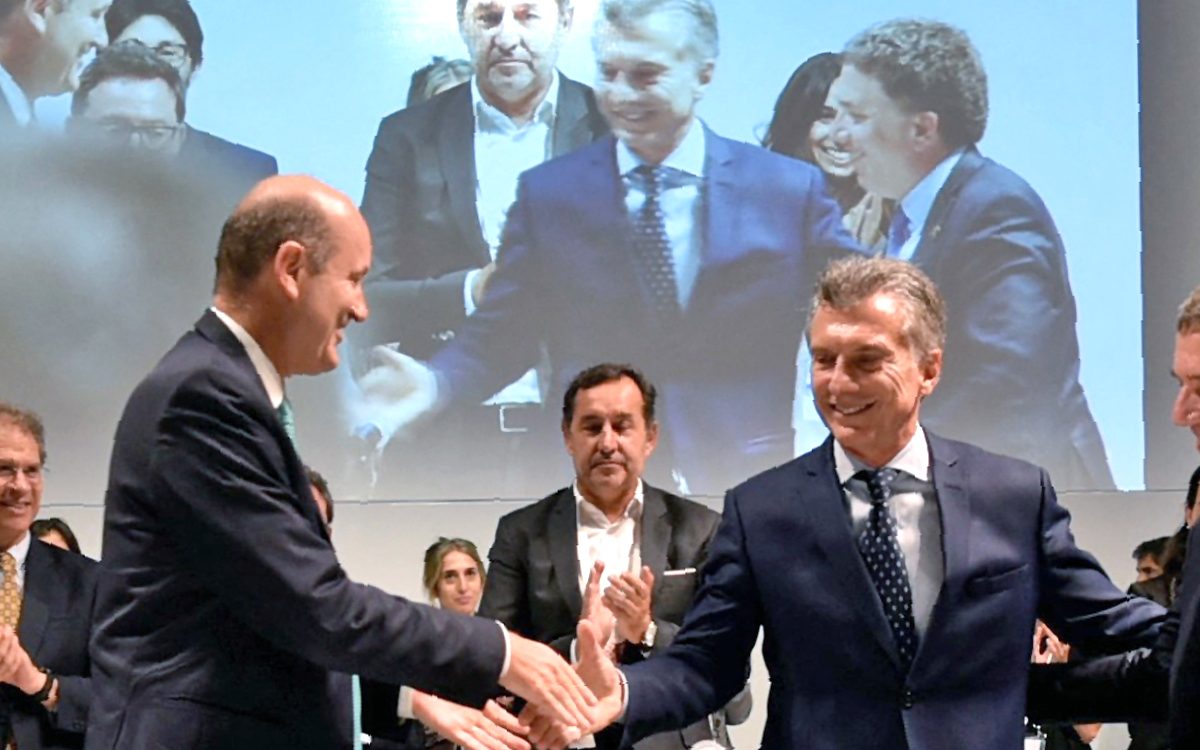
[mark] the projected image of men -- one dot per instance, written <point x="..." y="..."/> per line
<point x="912" y="103"/>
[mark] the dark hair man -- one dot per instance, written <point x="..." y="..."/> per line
<point x="638" y="248"/>
<point x="171" y="30"/>
<point x="129" y="96"/>
<point x="896" y="575"/>
<point x="440" y="179"/>
<point x="42" y="46"/>
<point x="46" y="604"/>
<point x="216" y="560"/>
<point x="912" y="103"/>
<point x="610" y="549"/>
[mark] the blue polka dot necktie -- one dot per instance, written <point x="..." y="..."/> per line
<point x="880" y="548"/>
<point x="652" y="247"/>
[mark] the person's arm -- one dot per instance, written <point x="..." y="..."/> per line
<point x="411" y="297"/>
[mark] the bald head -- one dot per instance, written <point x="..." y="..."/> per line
<point x="279" y="210"/>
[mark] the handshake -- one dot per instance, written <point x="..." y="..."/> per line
<point x="562" y="703"/>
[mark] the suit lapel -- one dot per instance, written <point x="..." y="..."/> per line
<point x="718" y="200"/>
<point x="456" y="154"/>
<point x="656" y="532"/>
<point x="943" y="205"/>
<point x="572" y="126"/>
<point x="35" y="613"/>
<point x="822" y="496"/>
<point x="562" y="537"/>
<point x="954" y="510"/>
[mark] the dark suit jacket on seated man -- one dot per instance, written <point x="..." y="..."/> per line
<point x="896" y="575"/>
<point x="653" y="544"/>
<point x="224" y="609"/>
<point x="667" y="246"/>
<point x="44" y="664"/>
<point x="1140" y="685"/>
<point x="912" y="102"/>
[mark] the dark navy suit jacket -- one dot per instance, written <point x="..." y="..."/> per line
<point x="726" y="373"/>
<point x="223" y="607"/>
<point x="1010" y="381"/>
<point x="55" y="626"/>
<point x="784" y="559"/>
<point x="232" y="167"/>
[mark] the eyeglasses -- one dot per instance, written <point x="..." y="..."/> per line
<point x="9" y="473"/>
<point x="172" y="52"/>
<point x="153" y="137"/>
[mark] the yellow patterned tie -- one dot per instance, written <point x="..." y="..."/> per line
<point x="10" y="592"/>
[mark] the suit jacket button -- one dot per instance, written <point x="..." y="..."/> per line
<point x="908" y="698"/>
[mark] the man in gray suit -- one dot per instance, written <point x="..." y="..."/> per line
<point x="440" y="179"/>
<point x="610" y="549"/>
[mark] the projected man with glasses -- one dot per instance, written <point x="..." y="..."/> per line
<point x="129" y="96"/>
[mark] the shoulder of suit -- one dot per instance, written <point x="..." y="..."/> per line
<point x="971" y="459"/>
<point x="431" y="113"/>
<point x="537" y="509"/>
<point x="678" y="505"/>
<point x="65" y="559"/>
<point x="987" y="182"/>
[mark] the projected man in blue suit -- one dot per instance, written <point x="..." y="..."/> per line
<point x="666" y="245"/>
<point x="912" y="103"/>
<point x="895" y="574"/>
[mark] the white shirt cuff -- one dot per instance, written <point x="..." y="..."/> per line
<point x="507" y="650"/>
<point x="468" y="284"/>
<point x="404" y="707"/>
<point x="572" y="651"/>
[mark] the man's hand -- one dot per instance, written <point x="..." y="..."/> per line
<point x="600" y="675"/>
<point x="596" y="613"/>
<point x="397" y="392"/>
<point x="493" y="728"/>
<point x="629" y="597"/>
<point x="16" y="668"/>
<point x="480" y="282"/>
<point x="539" y="675"/>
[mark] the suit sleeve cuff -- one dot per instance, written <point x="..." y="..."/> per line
<point x="468" y="283"/>
<point x="507" y="650"/>
<point x="404" y="706"/>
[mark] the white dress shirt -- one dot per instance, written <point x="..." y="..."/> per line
<point x="270" y="377"/>
<point x="918" y="518"/>
<point x="917" y="203"/>
<point x="679" y="196"/>
<point x="503" y="150"/>
<point x="617" y="543"/>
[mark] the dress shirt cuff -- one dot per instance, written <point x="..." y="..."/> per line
<point x="404" y="707"/>
<point x="468" y="284"/>
<point x="572" y="650"/>
<point x="621" y="678"/>
<point x="507" y="650"/>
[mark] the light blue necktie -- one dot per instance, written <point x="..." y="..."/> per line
<point x="287" y="418"/>
<point x="356" y="706"/>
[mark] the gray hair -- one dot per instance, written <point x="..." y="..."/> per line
<point x="703" y="40"/>
<point x="1189" y="314"/>
<point x="927" y="66"/>
<point x="850" y="281"/>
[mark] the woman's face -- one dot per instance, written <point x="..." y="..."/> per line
<point x="832" y="160"/>
<point x="460" y="584"/>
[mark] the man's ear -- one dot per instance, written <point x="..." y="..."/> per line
<point x="931" y="371"/>
<point x="651" y="437"/>
<point x="288" y="265"/>
<point x="927" y="131"/>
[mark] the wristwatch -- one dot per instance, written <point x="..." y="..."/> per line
<point x="41" y="695"/>
<point x="648" y="639"/>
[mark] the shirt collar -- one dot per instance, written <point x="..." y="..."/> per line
<point x="919" y="201"/>
<point x="20" y="105"/>
<point x="588" y="514"/>
<point x="913" y="458"/>
<point x="267" y="373"/>
<point x="688" y="156"/>
<point x="20" y="550"/>
<point x="489" y="119"/>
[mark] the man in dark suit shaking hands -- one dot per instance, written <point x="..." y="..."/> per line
<point x="896" y="575"/>
<point x="224" y="607"/>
